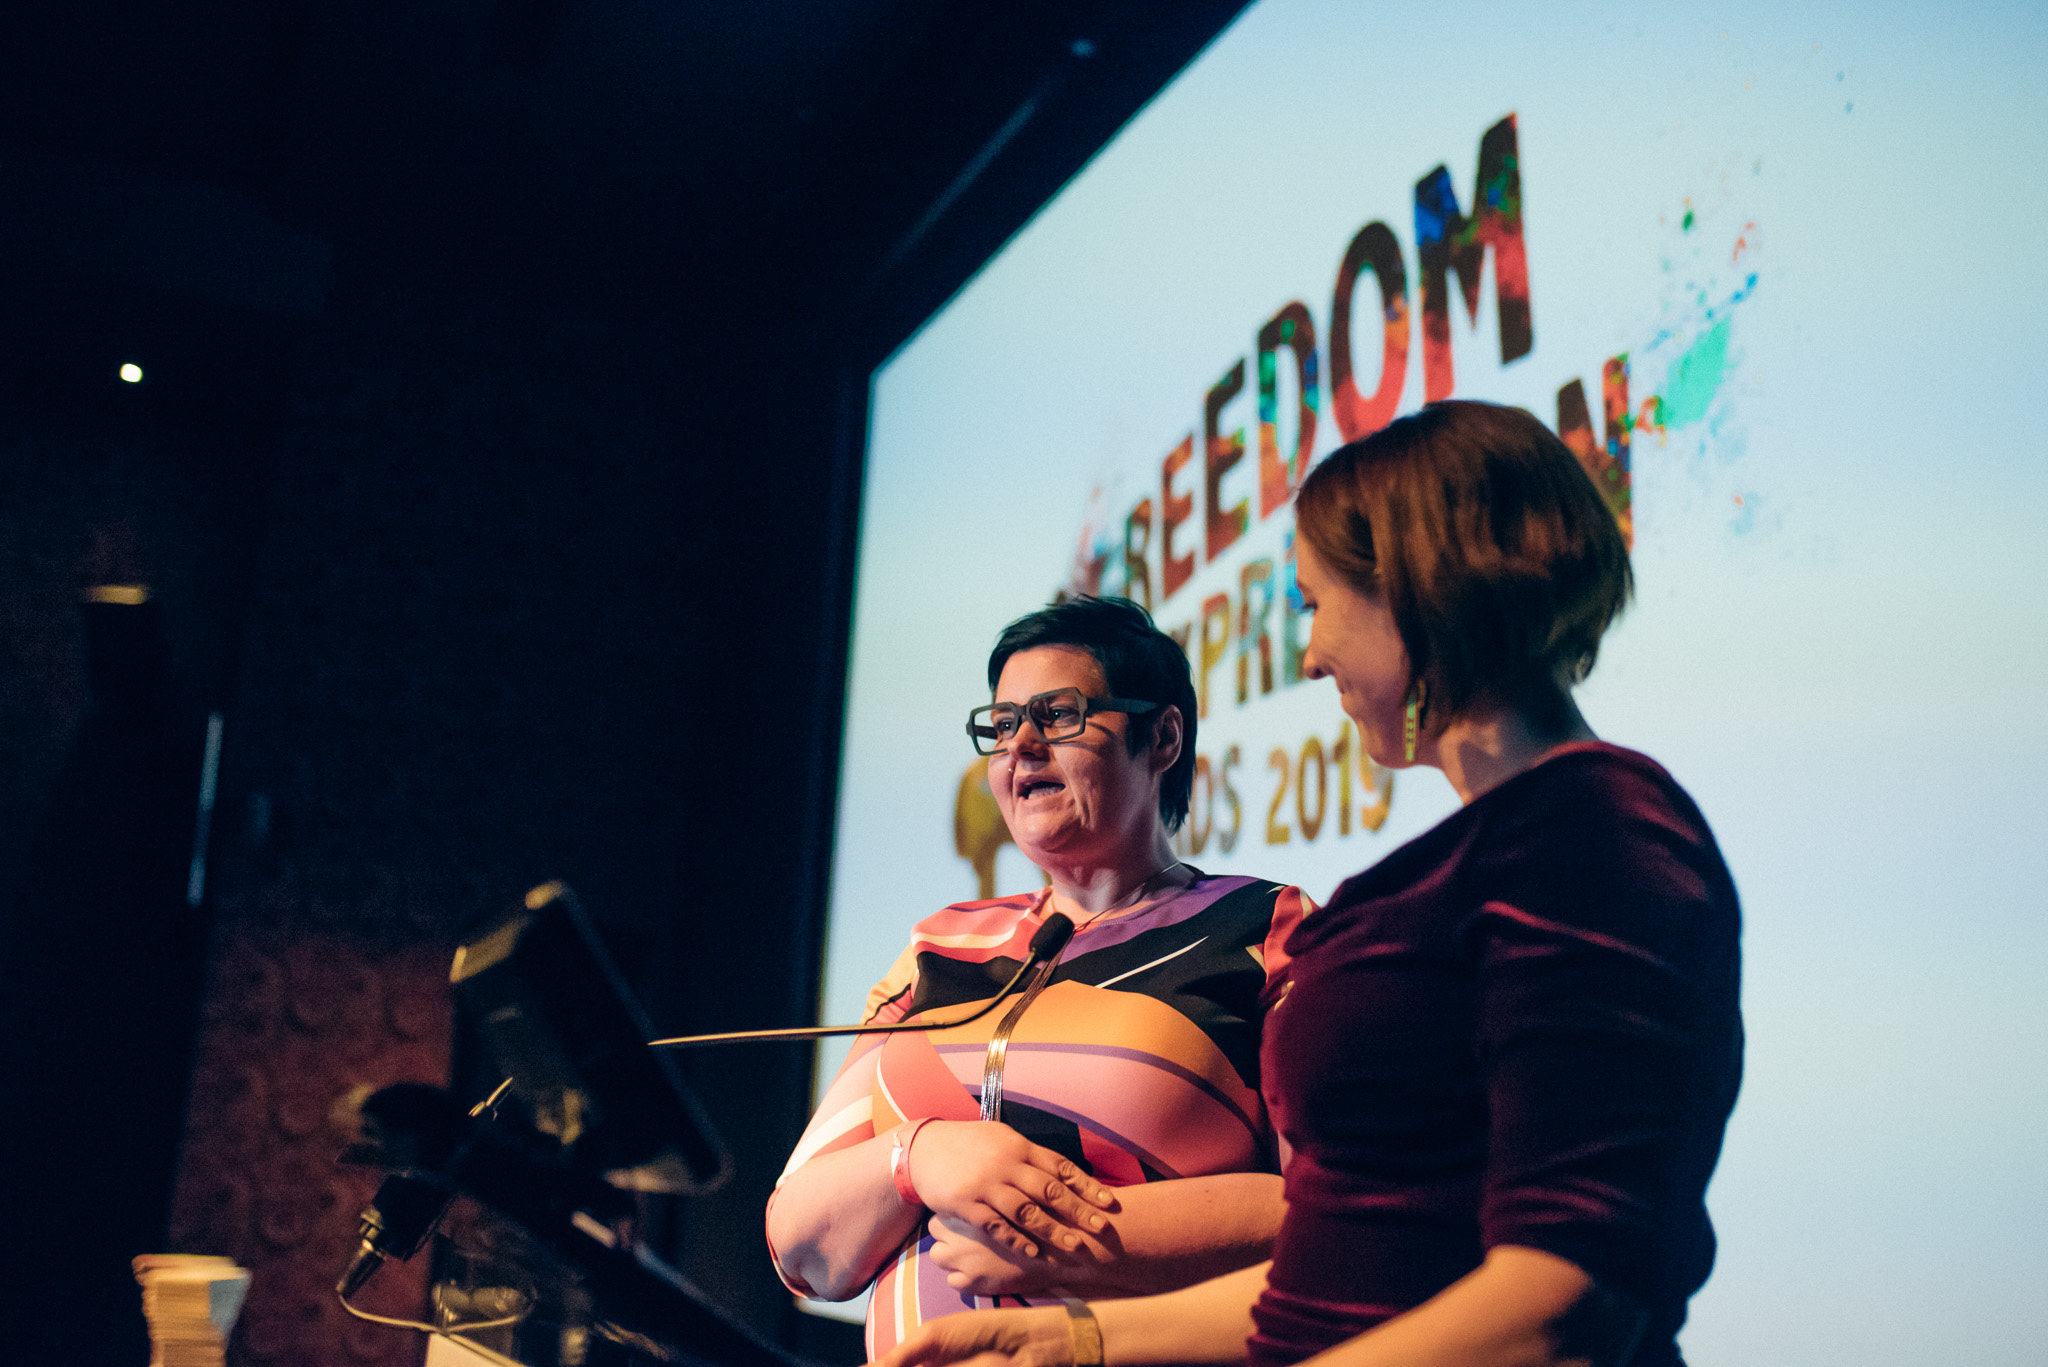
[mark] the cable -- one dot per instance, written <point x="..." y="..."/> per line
<point x="821" y="1031"/>
<point x="1046" y="945"/>
<point x="451" y="1330"/>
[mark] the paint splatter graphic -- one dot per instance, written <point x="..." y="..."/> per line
<point x="1694" y="379"/>
<point x="1690" y="372"/>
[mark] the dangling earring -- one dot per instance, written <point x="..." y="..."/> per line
<point x="1411" y="724"/>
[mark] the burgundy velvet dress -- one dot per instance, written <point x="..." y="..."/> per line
<point x="1519" y="1028"/>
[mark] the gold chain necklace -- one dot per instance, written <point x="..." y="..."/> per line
<point x="999" y="1042"/>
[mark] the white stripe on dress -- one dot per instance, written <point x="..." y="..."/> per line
<point x="827" y="1129"/>
<point x="1154" y="964"/>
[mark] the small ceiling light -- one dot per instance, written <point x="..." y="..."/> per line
<point x="131" y="372"/>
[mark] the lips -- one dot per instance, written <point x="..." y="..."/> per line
<point x="1039" y="787"/>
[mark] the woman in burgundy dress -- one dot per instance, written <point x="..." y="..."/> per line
<point x="1505" y="1054"/>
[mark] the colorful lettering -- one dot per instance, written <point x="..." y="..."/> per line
<point x="1137" y="555"/>
<point x="1446" y="241"/>
<point x="1226" y="841"/>
<point x="1278" y="479"/>
<point x="1292" y="647"/>
<point x="1608" y="465"/>
<point x="1174" y="510"/>
<point x="1251" y="628"/>
<point x="1215" y="645"/>
<point x="1373" y="249"/>
<point x="1226" y="525"/>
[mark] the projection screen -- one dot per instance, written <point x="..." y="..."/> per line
<point x="1779" y="273"/>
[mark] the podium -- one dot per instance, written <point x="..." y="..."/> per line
<point x="587" y="1120"/>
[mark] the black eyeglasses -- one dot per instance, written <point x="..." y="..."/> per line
<point x="1058" y="714"/>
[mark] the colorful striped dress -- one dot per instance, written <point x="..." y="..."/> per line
<point x="1140" y="1060"/>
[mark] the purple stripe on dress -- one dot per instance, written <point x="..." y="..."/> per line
<point x="1041" y="1104"/>
<point x="934" y="1297"/>
<point x="1165" y="1065"/>
<point x="1195" y="898"/>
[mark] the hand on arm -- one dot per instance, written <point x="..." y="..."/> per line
<point x="1520" y="1308"/>
<point x="983" y="1176"/>
<point x="835" y="1220"/>
<point x="1203" y="1324"/>
<point x="1166" y="1235"/>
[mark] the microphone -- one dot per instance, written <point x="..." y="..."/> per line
<point x="1045" y="946"/>
<point x="418" y="1130"/>
<point x="395" y="1224"/>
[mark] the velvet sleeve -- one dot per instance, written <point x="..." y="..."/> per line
<point x="1610" y="1045"/>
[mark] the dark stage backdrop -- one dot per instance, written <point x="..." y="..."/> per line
<point x="490" y="474"/>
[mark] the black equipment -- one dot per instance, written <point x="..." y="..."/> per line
<point x="596" y="1117"/>
<point x="599" y="1117"/>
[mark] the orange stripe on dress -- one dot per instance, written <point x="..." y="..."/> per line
<point x="916" y="1082"/>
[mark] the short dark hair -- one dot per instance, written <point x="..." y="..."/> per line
<point x="1485" y="537"/>
<point x="1138" y="661"/>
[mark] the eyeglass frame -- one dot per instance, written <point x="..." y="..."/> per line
<point x="1136" y="707"/>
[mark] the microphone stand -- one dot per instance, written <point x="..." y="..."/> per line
<point x="1046" y="945"/>
<point x="639" y="1302"/>
<point x="441" y="1148"/>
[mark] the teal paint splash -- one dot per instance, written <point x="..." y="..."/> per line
<point x="1694" y="378"/>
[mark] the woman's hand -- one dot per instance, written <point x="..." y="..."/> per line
<point x="1013" y="1192"/>
<point x="988" y="1338"/>
<point x="980" y="1268"/>
<point x="1166" y="1234"/>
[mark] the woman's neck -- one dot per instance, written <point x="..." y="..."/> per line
<point x="1480" y="752"/>
<point x="1093" y="889"/>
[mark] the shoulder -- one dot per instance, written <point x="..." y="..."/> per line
<point x="974" y="931"/>
<point x="1257" y="913"/>
<point x="1604" y="838"/>
<point x="1257" y="902"/>
<point x="1595" y="804"/>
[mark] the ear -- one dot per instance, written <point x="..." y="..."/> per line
<point x="1169" y="733"/>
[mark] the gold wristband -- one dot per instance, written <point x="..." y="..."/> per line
<point x="1085" y="1331"/>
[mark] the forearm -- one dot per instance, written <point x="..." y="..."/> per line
<point x="1520" y="1308"/>
<point x="1203" y="1324"/>
<point x="838" y="1217"/>
<point x="1173" y="1234"/>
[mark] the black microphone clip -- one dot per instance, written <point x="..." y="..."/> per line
<point x="396" y="1224"/>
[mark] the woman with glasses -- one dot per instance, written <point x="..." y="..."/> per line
<point x="1506" y="1052"/>
<point x="1104" y="1135"/>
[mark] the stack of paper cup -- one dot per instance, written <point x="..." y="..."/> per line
<point x="191" y="1303"/>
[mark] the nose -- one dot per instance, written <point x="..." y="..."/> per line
<point x="1027" y="739"/>
<point x="1312" y="661"/>
<point x="1027" y="727"/>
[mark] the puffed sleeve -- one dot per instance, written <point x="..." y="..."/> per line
<point x="1610" y="1042"/>
<point x="845" y="1114"/>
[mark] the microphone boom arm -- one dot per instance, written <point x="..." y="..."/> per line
<point x="1051" y="938"/>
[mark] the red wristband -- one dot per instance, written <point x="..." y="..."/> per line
<point x="899" y="1159"/>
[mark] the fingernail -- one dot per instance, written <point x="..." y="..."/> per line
<point x="1096" y="1222"/>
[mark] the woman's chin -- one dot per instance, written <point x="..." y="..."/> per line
<point x="1049" y="840"/>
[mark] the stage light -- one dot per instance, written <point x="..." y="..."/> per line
<point x="131" y="372"/>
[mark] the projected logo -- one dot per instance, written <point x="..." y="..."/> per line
<point x="1217" y="570"/>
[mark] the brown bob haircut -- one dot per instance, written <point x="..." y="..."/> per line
<point x="1485" y="537"/>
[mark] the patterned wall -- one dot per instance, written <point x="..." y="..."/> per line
<point x="298" y="1025"/>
